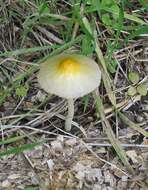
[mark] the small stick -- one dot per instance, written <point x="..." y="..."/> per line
<point x="101" y="159"/>
<point x="70" y="115"/>
<point x="123" y="145"/>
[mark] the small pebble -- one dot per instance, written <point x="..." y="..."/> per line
<point x="107" y="176"/>
<point x="33" y="178"/>
<point x="13" y="176"/>
<point x="6" y="184"/>
<point x="40" y="96"/>
<point x="139" y="118"/>
<point x="71" y="142"/>
<point x="145" y="107"/>
<point x="124" y="178"/>
<point x="90" y="118"/>
<point x="50" y="164"/>
<point x="97" y="187"/>
<point x="57" y="146"/>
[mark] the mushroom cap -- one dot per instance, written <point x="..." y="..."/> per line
<point x="69" y="75"/>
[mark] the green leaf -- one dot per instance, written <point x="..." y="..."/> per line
<point x="138" y="32"/>
<point x="22" y="91"/>
<point x="115" y="9"/>
<point x="43" y="8"/>
<point x="130" y="17"/>
<point x="106" y="19"/>
<point x="87" y="25"/>
<point x="142" y="89"/>
<point x="134" y="77"/>
<point x="105" y="76"/>
<point x="132" y="91"/>
<point x="31" y="188"/>
<point x="111" y="64"/>
<point x="96" y="4"/>
<point x="87" y="47"/>
<point x="108" y="3"/>
<point x="134" y="18"/>
<point x="86" y="100"/>
<point x="144" y="3"/>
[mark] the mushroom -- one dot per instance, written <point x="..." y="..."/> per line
<point x="69" y="76"/>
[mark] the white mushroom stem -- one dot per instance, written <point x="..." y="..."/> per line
<point x="70" y="115"/>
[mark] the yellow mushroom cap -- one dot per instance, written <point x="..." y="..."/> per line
<point x="69" y="75"/>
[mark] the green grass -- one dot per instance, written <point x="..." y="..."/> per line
<point x="92" y="18"/>
<point x="19" y="149"/>
<point x="31" y="188"/>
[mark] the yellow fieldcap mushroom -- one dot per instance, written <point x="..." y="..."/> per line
<point x="69" y="76"/>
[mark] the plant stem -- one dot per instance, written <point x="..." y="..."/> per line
<point x="70" y="114"/>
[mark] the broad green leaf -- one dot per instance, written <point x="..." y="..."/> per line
<point x="108" y="3"/>
<point x="22" y="91"/>
<point x="134" y="77"/>
<point x="132" y="91"/>
<point x="142" y="89"/>
<point x="106" y="19"/>
<point x="115" y="9"/>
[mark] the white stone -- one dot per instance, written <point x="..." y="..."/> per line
<point x="6" y="184"/>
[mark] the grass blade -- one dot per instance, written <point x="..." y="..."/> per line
<point x="110" y="134"/>
<point x="132" y="124"/>
<point x="26" y="51"/>
<point x="13" y="139"/>
<point x="134" y="18"/>
<point x="19" y="149"/>
<point x="31" y="188"/>
<point x="105" y="75"/>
